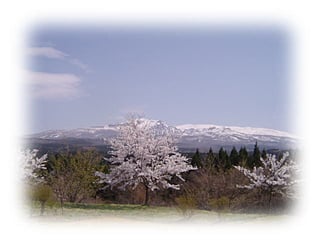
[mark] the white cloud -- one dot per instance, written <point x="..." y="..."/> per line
<point x="79" y="64"/>
<point x="54" y="85"/>
<point x="53" y="53"/>
<point x="48" y="52"/>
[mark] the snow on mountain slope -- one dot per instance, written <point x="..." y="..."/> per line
<point x="90" y="133"/>
<point x="189" y="135"/>
<point x="194" y="129"/>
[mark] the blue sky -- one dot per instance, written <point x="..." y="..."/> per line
<point x="80" y="77"/>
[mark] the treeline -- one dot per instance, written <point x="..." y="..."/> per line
<point x="70" y="177"/>
<point x="215" y="184"/>
<point x="224" y="160"/>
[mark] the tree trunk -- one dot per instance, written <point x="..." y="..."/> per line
<point x="146" y="199"/>
<point x="269" y="200"/>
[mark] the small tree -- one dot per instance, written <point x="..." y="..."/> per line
<point x="234" y="157"/>
<point x="72" y="175"/>
<point x="210" y="160"/>
<point x="42" y="193"/>
<point x="224" y="160"/>
<point x="274" y="176"/>
<point x="142" y="155"/>
<point x="186" y="204"/>
<point x="256" y="156"/>
<point x="32" y="166"/>
<point x="264" y="154"/>
<point x="196" y="159"/>
<point x="243" y="156"/>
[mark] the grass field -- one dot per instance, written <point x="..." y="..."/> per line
<point x="101" y="213"/>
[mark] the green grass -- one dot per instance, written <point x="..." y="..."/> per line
<point x="139" y="213"/>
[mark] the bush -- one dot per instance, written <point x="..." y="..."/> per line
<point x="220" y="204"/>
<point x="186" y="204"/>
<point x="42" y="194"/>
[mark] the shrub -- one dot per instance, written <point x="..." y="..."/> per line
<point x="186" y="204"/>
<point x="43" y="194"/>
<point x="220" y="204"/>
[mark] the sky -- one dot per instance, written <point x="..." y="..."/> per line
<point x="96" y="75"/>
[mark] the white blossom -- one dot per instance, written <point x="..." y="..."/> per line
<point x="31" y="165"/>
<point x="274" y="175"/>
<point x="142" y="155"/>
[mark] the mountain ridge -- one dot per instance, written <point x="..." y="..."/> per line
<point x="190" y="136"/>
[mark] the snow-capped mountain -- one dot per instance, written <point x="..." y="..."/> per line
<point x="190" y="136"/>
<point x="96" y="132"/>
<point x="206" y="135"/>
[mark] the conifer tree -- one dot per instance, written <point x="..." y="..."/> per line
<point x="280" y="155"/>
<point x="228" y="164"/>
<point x="210" y="160"/>
<point x="256" y="156"/>
<point x="196" y="159"/>
<point x="234" y="157"/>
<point x="224" y="159"/>
<point x="243" y="156"/>
<point x="264" y="154"/>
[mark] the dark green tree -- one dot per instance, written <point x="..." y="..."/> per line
<point x="264" y="154"/>
<point x="280" y="155"/>
<point x="234" y="157"/>
<point x="221" y="157"/>
<point x="224" y="160"/>
<point x="228" y="164"/>
<point x="196" y="159"/>
<point x="256" y="156"/>
<point x="243" y="156"/>
<point x="210" y="160"/>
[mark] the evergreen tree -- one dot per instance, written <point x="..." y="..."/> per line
<point x="228" y="164"/>
<point x="224" y="160"/>
<point x="256" y="156"/>
<point x="264" y="154"/>
<point x="210" y="160"/>
<point x="196" y="159"/>
<point x="234" y="157"/>
<point x="217" y="165"/>
<point x="243" y="156"/>
<point x="221" y="156"/>
<point x="280" y="155"/>
<point x="250" y="162"/>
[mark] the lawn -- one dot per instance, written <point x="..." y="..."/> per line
<point x="144" y="214"/>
